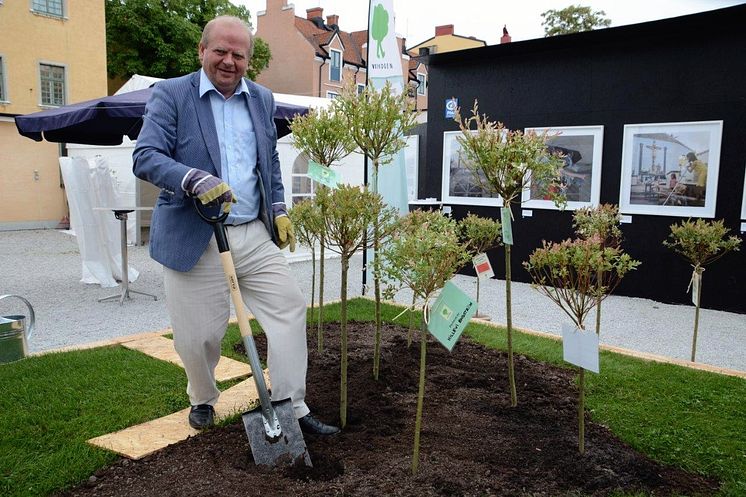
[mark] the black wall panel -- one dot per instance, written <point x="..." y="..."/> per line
<point x="676" y="70"/>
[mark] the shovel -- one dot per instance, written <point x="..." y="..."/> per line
<point x="272" y="428"/>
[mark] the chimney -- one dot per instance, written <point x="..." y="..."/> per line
<point x="444" y="30"/>
<point x="332" y="20"/>
<point x="275" y="5"/>
<point x="314" y="12"/>
<point x="505" y="38"/>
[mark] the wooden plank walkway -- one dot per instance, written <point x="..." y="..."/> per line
<point x="141" y="440"/>
<point x="162" y="348"/>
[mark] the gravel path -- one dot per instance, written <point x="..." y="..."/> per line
<point x="44" y="266"/>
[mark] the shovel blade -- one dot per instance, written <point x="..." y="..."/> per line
<point x="288" y="449"/>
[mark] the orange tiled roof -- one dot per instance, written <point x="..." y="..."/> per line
<point x="354" y="53"/>
<point x="319" y="38"/>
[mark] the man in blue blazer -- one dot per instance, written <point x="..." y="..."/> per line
<point x="211" y="135"/>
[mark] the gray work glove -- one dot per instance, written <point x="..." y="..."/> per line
<point x="208" y="188"/>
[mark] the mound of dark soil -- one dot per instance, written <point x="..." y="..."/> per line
<point x="472" y="441"/>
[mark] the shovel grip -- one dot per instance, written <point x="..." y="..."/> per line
<point x="217" y="223"/>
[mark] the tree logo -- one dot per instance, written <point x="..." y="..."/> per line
<point x="445" y="312"/>
<point x="380" y="28"/>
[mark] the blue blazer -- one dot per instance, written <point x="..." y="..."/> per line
<point x="178" y="133"/>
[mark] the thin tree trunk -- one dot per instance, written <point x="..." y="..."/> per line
<point x="420" y="398"/>
<point x="696" y="320"/>
<point x="320" y="331"/>
<point x="411" y="321"/>
<point x="581" y="411"/>
<point x="377" y="283"/>
<point x="343" y="352"/>
<point x="477" y="314"/>
<point x="313" y="279"/>
<point x="599" y="277"/>
<point x="509" y="319"/>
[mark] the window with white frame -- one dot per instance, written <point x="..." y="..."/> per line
<point x="360" y="88"/>
<point x="3" y="96"/>
<point x="303" y="186"/>
<point x="422" y="81"/>
<point x="52" y="80"/>
<point x="335" y="66"/>
<point x="332" y="94"/>
<point x="54" y="8"/>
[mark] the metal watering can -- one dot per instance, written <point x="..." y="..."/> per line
<point x="14" y="335"/>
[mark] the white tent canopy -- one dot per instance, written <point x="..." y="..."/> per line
<point x="139" y="82"/>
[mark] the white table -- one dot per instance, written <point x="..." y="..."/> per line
<point x="121" y="214"/>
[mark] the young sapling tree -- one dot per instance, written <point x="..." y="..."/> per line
<point x="479" y="234"/>
<point x="576" y="275"/>
<point x="377" y="121"/>
<point x="700" y="242"/>
<point x="601" y="222"/>
<point x="349" y="214"/>
<point x="505" y="162"/>
<point x="323" y="136"/>
<point x="423" y="255"/>
<point x="308" y="225"/>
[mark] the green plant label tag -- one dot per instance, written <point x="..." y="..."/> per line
<point x="507" y="226"/>
<point x="482" y="266"/>
<point x="580" y="347"/>
<point x="323" y="174"/>
<point x="450" y="314"/>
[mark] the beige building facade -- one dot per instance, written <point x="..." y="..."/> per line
<point x="446" y="41"/>
<point x="312" y="56"/>
<point x="52" y="53"/>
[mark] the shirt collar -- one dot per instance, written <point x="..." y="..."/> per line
<point x="206" y="85"/>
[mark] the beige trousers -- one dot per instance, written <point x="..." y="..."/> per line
<point x="198" y="303"/>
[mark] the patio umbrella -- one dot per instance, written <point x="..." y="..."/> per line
<point x="104" y="121"/>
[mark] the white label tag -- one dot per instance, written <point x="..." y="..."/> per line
<point x="580" y="347"/>
<point x="482" y="266"/>
<point x="696" y="283"/>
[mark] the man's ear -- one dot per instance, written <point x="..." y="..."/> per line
<point x="201" y="52"/>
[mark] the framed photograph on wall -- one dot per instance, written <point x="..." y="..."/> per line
<point x="670" y="169"/>
<point x="460" y="186"/>
<point x="581" y="148"/>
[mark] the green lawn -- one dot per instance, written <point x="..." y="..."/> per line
<point x="49" y="406"/>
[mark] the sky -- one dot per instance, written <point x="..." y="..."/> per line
<point x="484" y="19"/>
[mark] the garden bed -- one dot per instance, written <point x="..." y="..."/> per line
<point x="473" y="442"/>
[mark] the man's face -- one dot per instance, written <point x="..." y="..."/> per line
<point x="226" y="56"/>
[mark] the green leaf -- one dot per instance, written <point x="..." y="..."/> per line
<point x="160" y="38"/>
<point x="573" y="19"/>
<point x="505" y="161"/>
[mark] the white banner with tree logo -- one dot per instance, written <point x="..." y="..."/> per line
<point x="385" y="65"/>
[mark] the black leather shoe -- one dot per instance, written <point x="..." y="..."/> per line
<point x="202" y="416"/>
<point x="312" y="426"/>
